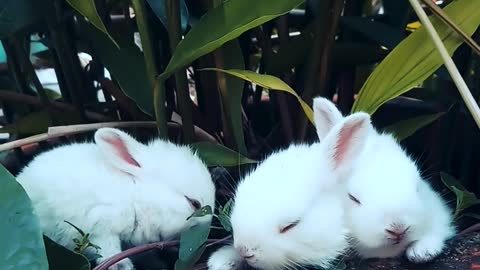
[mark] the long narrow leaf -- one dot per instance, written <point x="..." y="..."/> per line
<point x="416" y="57"/>
<point x="269" y="82"/>
<point x="405" y="128"/>
<point x="224" y="23"/>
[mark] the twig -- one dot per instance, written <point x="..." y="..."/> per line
<point x="140" y="249"/>
<point x="219" y="241"/>
<point x="132" y="251"/>
<point x="7" y="95"/>
<point x="59" y="131"/>
<point x="473" y="228"/>
<point x="449" y="64"/>
<point x="181" y="84"/>
<point x="444" y="17"/>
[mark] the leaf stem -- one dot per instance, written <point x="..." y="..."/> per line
<point x="183" y="95"/>
<point x="136" y="250"/>
<point x="152" y="68"/>
<point x="449" y="64"/>
<point x="444" y="17"/>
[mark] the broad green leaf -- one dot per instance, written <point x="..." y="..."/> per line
<point x="194" y="257"/>
<point x="416" y="57"/>
<point x="232" y="94"/>
<point x="405" y="128"/>
<point x="206" y="210"/>
<point x="21" y="244"/>
<point x="465" y="198"/>
<point x="223" y="23"/>
<point x="192" y="239"/>
<point x="61" y="258"/>
<point x="126" y="64"/>
<point x="88" y="9"/>
<point x="218" y="155"/>
<point x="15" y="15"/>
<point x="269" y="82"/>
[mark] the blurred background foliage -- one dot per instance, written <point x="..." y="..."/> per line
<point x="233" y="78"/>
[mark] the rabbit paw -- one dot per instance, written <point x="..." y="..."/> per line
<point x="225" y="258"/>
<point x="424" y="250"/>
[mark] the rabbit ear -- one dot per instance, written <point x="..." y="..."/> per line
<point x="347" y="140"/>
<point x="325" y="115"/>
<point x="118" y="148"/>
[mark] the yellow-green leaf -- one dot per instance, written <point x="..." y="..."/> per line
<point x="223" y="23"/>
<point x="405" y="128"/>
<point x="267" y="81"/>
<point x="88" y="9"/>
<point x="415" y="58"/>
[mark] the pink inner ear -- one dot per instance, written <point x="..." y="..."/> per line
<point x="344" y="143"/>
<point x="122" y="150"/>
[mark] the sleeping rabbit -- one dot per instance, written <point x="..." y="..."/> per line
<point x="288" y="211"/>
<point x="117" y="189"/>
<point x="390" y="208"/>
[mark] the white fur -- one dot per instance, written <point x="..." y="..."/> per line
<point x="391" y="190"/>
<point x="297" y="183"/>
<point x="91" y="186"/>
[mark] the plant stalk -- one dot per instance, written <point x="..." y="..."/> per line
<point x="449" y="64"/>
<point x="444" y="17"/>
<point x="318" y="68"/>
<point x="183" y="93"/>
<point x="152" y="69"/>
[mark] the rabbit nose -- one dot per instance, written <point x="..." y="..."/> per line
<point x="397" y="232"/>
<point x="244" y="252"/>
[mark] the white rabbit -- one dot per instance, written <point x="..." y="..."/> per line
<point x="390" y="208"/>
<point x="117" y="189"/>
<point x="289" y="210"/>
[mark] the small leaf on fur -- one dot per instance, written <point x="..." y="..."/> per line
<point x="206" y="210"/>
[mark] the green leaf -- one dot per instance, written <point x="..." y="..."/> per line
<point x="416" y="58"/>
<point x="126" y="64"/>
<point x="192" y="239"/>
<point x="405" y="128"/>
<point x="21" y="245"/>
<point x="206" y="210"/>
<point x="465" y="199"/>
<point x="269" y="82"/>
<point x="223" y="23"/>
<point x="224" y="215"/>
<point x="61" y="258"/>
<point x="16" y="15"/>
<point x="52" y="94"/>
<point x="194" y="257"/>
<point x="218" y="155"/>
<point x="232" y="93"/>
<point x="88" y="9"/>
